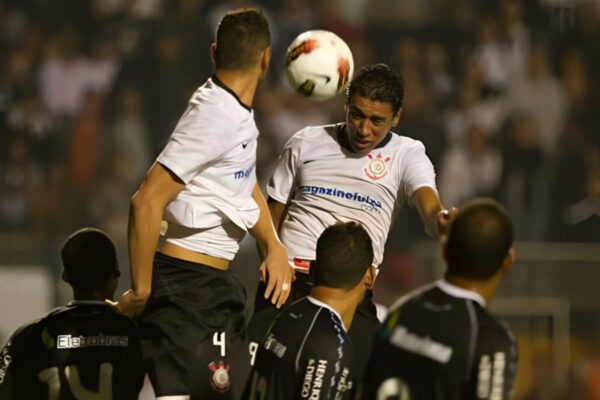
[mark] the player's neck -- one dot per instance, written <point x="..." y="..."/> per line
<point x="91" y="295"/>
<point x="342" y="301"/>
<point x="485" y="288"/>
<point x="242" y="83"/>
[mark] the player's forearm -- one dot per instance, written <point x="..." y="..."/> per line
<point x="431" y="226"/>
<point x="264" y="231"/>
<point x="429" y="207"/>
<point x="143" y="232"/>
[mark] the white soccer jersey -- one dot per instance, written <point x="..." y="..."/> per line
<point x="213" y="151"/>
<point x="325" y="183"/>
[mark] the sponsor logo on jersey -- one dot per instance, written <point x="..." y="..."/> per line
<point x="368" y="203"/>
<point x="313" y="379"/>
<point x="343" y="384"/>
<point x="377" y="167"/>
<point x="244" y="173"/>
<point x="75" y="342"/>
<point x="5" y="360"/>
<point x="424" y="346"/>
<point x="47" y="338"/>
<point x="274" y="346"/>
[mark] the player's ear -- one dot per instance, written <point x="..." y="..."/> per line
<point x="265" y="58"/>
<point x="509" y="259"/>
<point x="445" y="249"/>
<point x="396" y="118"/>
<point x="213" y="53"/>
<point x="369" y="278"/>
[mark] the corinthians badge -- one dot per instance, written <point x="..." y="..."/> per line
<point x="377" y="166"/>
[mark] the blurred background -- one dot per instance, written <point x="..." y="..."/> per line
<point x="503" y="94"/>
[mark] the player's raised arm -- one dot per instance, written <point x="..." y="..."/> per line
<point x="276" y="271"/>
<point x="145" y="216"/>
<point x="434" y="215"/>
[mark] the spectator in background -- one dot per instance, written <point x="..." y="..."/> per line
<point x="66" y="75"/>
<point x="19" y="186"/>
<point x="517" y="36"/>
<point x="493" y="55"/>
<point x="128" y="131"/>
<point x="437" y="74"/>
<point x="470" y="170"/>
<point x="523" y="185"/>
<point x="539" y="97"/>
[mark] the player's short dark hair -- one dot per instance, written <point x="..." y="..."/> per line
<point x="89" y="258"/>
<point x="241" y="35"/>
<point x="479" y="239"/>
<point x="344" y="253"/>
<point x="378" y="82"/>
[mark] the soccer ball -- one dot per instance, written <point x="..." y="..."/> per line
<point x="319" y="64"/>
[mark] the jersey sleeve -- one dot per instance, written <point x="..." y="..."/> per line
<point x="417" y="171"/>
<point x="200" y="137"/>
<point x="324" y="370"/>
<point x="494" y="368"/>
<point x="10" y="358"/>
<point x="281" y="184"/>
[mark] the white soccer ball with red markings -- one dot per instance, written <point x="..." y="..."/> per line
<point x="319" y="64"/>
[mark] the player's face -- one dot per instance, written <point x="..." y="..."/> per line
<point x="367" y="122"/>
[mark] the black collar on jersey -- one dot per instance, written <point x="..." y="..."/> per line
<point x="343" y="138"/>
<point x="220" y="83"/>
<point x="87" y="303"/>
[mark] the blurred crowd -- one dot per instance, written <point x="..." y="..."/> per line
<point x="501" y="92"/>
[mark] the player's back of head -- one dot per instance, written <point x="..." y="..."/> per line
<point x="241" y="36"/>
<point x="378" y="82"/>
<point x="89" y="258"/>
<point x="479" y="239"/>
<point x="344" y="253"/>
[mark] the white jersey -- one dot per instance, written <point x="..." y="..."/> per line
<point x="213" y="151"/>
<point x="325" y="183"/>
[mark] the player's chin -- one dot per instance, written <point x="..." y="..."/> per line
<point x="362" y="148"/>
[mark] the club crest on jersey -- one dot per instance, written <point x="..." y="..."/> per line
<point x="377" y="167"/>
<point x="220" y="382"/>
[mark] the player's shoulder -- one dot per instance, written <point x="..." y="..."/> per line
<point x="215" y="102"/>
<point x="413" y="298"/>
<point x="327" y="330"/>
<point x="404" y="143"/>
<point x="315" y="134"/>
<point x="33" y="328"/>
<point x="493" y="331"/>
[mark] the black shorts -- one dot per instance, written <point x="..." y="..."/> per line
<point x="193" y="331"/>
<point x="362" y="331"/>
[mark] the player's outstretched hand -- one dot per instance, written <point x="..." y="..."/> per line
<point x="130" y="304"/>
<point x="276" y="269"/>
<point x="444" y="218"/>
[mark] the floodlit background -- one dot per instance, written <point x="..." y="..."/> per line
<point x="504" y="94"/>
